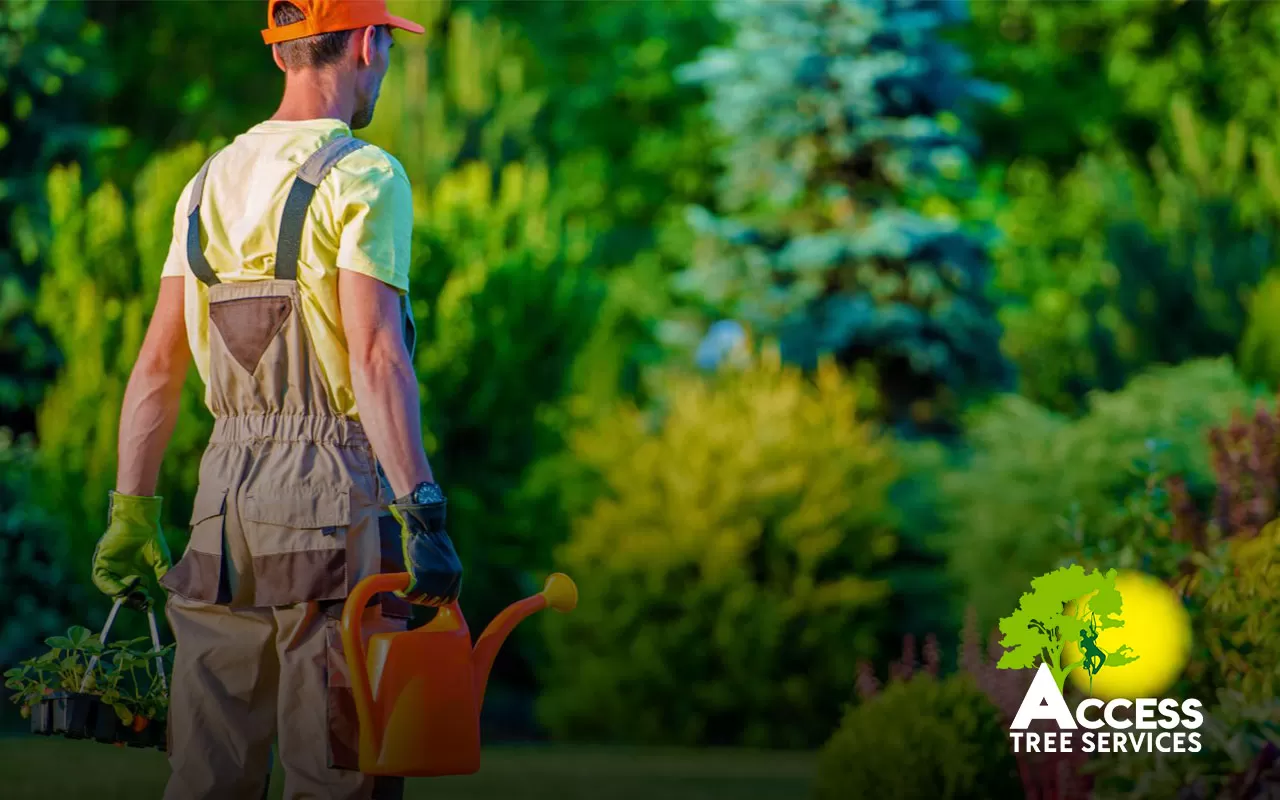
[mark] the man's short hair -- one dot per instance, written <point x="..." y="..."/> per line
<point x="310" y="52"/>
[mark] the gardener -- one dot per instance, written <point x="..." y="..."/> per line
<point x="287" y="279"/>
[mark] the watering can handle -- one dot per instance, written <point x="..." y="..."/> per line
<point x="353" y="645"/>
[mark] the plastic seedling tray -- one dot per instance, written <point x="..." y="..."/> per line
<point x="80" y="715"/>
<point x="74" y="714"/>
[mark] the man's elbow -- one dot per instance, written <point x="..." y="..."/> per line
<point x="166" y="365"/>
<point x="378" y="359"/>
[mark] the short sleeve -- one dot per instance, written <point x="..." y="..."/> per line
<point x="175" y="263"/>
<point x="377" y="223"/>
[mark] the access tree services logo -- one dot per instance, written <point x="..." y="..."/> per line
<point x="1058" y="624"/>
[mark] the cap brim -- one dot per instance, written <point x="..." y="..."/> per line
<point x="405" y="24"/>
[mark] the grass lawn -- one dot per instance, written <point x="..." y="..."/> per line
<point x="35" y="768"/>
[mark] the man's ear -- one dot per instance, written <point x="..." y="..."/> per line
<point x="275" y="56"/>
<point x="368" y="44"/>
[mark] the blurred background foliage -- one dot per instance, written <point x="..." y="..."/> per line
<point x="788" y="329"/>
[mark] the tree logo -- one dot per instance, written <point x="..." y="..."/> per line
<point x="1063" y="607"/>
<point x="1057" y="629"/>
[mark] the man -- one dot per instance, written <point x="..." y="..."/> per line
<point x="287" y="281"/>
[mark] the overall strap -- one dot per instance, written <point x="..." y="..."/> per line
<point x="196" y="261"/>
<point x="310" y="174"/>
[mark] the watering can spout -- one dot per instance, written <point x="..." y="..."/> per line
<point x="418" y="693"/>
<point x="559" y="592"/>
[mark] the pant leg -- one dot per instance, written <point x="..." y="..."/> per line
<point x="222" y="702"/>
<point x="316" y="734"/>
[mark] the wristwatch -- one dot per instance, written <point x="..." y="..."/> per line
<point x="424" y="494"/>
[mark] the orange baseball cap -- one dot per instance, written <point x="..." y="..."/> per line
<point x="328" y="16"/>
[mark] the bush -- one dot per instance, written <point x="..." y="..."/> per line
<point x="503" y="303"/>
<point x="1121" y="265"/>
<point x="1238" y="760"/>
<point x="921" y="737"/>
<point x="103" y="261"/>
<point x="726" y="572"/>
<point x="1218" y="551"/>
<point x="1004" y="504"/>
<point x="38" y="598"/>
<point x="1258" y="356"/>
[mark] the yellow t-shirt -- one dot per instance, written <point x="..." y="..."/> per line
<point x="361" y="219"/>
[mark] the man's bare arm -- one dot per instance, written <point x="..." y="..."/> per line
<point x="382" y="377"/>
<point x="151" y="400"/>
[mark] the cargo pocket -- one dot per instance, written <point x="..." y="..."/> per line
<point x="297" y="542"/>
<point x="344" y="727"/>
<point x="198" y="574"/>
<point x="343" y="723"/>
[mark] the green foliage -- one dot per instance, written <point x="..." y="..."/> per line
<point x="629" y="143"/>
<point x="1239" y="587"/>
<point x="726" y="571"/>
<point x="125" y="675"/>
<point x="178" y="72"/>
<point x="628" y="138"/>
<point x="1239" y="741"/>
<point x="844" y="149"/>
<point x="921" y="737"/>
<point x="587" y="89"/>
<point x="40" y="595"/>
<point x="1133" y="228"/>
<point x="49" y="69"/>
<point x="1258" y="355"/>
<point x="1218" y="551"/>
<point x="1221" y="56"/>
<point x="457" y="94"/>
<point x="103" y="261"/>
<point x="1118" y="264"/>
<point x="1004" y="499"/>
<point x="502" y="302"/>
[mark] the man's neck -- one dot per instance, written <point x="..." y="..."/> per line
<point x="315" y="94"/>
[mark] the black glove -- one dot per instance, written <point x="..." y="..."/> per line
<point x="435" y="573"/>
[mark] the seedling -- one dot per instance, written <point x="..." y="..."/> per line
<point x="82" y="688"/>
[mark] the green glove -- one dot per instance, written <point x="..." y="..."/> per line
<point x="133" y="546"/>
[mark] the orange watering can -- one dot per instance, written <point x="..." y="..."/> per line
<point x="418" y="693"/>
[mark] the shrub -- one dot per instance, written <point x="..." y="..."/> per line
<point x="38" y="598"/>
<point x="1004" y="503"/>
<point x="1258" y="357"/>
<point x="103" y="261"/>
<point x="502" y="302"/>
<point x="1240" y="751"/>
<point x="1125" y="262"/>
<point x="726" y="572"/>
<point x="1221" y="554"/>
<point x="920" y="737"/>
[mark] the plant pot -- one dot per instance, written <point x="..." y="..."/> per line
<point x="151" y="735"/>
<point x="108" y="728"/>
<point x="74" y="714"/>
<point x="42" y="718"/>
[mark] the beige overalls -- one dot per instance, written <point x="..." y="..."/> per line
<point x="289" y="515"/>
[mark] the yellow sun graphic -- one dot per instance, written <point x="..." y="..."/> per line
<point x="1157" y="629"/>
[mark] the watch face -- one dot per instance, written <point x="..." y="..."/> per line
<point x="426" y="493"/>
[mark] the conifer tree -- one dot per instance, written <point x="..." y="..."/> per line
<point x="846" y="158"/>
